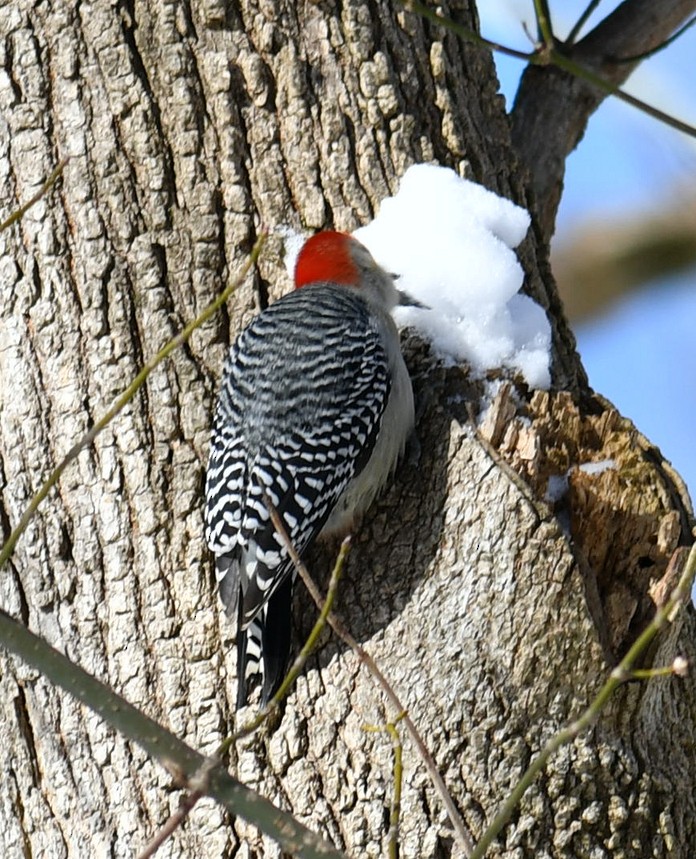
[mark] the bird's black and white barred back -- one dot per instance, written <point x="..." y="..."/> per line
<point x="305" y="389"/>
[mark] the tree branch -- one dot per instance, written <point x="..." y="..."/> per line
<point x="553" y="105"/>
<point x="460" y="829"/>
<point x="18" y="214"/>
<point x="185" y="764"/>
<point x="603" y="262"/>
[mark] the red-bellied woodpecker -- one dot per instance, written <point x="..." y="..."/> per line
<point x="315" y="408"/>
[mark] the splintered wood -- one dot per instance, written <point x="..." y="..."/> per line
<point x="622" y="505"/>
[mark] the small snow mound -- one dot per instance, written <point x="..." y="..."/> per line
<point x="452" y="243"/>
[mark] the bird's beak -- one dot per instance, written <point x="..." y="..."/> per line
<point x="405" y="300"/>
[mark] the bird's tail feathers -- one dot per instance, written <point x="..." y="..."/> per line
<point x="227" y="577"/>
<point x="249" y="660"/>
<point x="263" y="648"/>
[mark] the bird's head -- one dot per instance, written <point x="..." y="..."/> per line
<point x="333" y="257"/>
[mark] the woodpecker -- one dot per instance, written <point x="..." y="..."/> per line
<point x="314" y="411"/>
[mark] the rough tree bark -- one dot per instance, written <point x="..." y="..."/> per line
<point x="496" y="617"/>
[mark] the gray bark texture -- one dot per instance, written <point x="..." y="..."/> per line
<point x="495" y="617"/>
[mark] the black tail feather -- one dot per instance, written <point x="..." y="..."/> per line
<point x="276" y="639"/>
<point x="263" y="648"/>
<point x="241" y="659"/>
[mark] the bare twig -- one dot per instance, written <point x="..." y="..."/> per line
<point x="544" y="25"/>
<point x="546" y="54"/>
<point x="678" y="668"/>
<point x="460" y="830"/>
<point x="186" y="805"/>
<point x="188" y="766"/>
<point x="45" y="188"/>
<point x="398" y="774"/>
<point x="582" y="20"/>
<point x="304" y="654"/>
<point x="199" y="786"/>
<point x="466" y="33"/>
<point x="623" y="671"/>
<point x="557" y="58"/>
<point x="395" y="813"/>
<point x="199" y="790"/>
<point x="89" y="437"/>
<point x="636" y="58"/>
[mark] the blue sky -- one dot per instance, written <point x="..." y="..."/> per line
<point x="642" y="353"/>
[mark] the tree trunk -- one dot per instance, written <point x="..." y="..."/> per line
<point x="496" y="617"/>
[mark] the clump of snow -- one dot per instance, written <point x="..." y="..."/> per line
<point x="452" y="243"/>
<point x="558" y="483"/>
<point x="597" y="467"/>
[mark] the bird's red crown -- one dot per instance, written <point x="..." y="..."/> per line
<point x="326" y="257"/>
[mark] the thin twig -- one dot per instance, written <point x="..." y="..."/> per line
<point x="466" y="33"/>
<point x="186" y="806"/>
<point x="89" y="437"/>
<point x="545" y="56"/>
<point x="198" y="784"/>
<point x="47" y="185"/>
<point x="636" y="58"/>
<point x="304" y="654"/>
<point x="395" y="813"/>
<point x="544" y="25"/>
<point x="561" y="61"/>
<point x="582" y="20"/>
<point x="460" y="830"/>
<point x="665" y="614"/>
<point x="398" y="775"/>
<point x="678" y="668"/>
